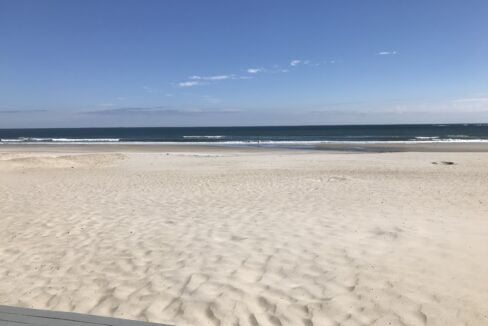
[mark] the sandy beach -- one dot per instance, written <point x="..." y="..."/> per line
<point x="238" y="236"/>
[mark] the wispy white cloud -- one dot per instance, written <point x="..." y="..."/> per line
<point x="218" y="77"/>
<point x="472" y="100"/>
<point x="274" y="69"/>
<point x="120" y="98"/>
<point x="158" y="110"/>
<point x="195" y="80"/>
<point x="387" y="53"/>
<point x="202" y="80"/>
<point x="189" y="83"/>
<point x="255" y="70"/>
<point x="277" y="70"/>
<point x="148" y="89"/>
<point x="295" y="62"/>
<point x="475" y="103"/>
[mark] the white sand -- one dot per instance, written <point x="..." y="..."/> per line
<point x="254" y="238"/>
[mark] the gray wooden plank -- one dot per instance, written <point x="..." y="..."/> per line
<point x="26" y="316"/>
<point x="45" y="321"/>
<point x="10" y="323"/>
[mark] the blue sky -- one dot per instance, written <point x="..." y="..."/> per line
<point x="188" y="63"/>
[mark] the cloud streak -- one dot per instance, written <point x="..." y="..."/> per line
<point x="22" y="111"/>
<point x="158" y="111"/>
<point x="212" y="78"/>
<point x="387" y="52"/>
<point x="197" y="80"/>
<point x="472" y="100"/>
<point x="297" y="62"/>
<point x="255" y="70"/>
<point x="189" y="83"/>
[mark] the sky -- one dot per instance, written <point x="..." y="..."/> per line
<point x="92" y="63"/>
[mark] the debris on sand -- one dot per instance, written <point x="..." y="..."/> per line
<point x="444" y="163"/>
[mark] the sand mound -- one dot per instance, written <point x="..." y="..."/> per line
<point x="39" y="160"/>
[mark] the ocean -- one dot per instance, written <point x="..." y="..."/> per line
<point x="275" y="135"/>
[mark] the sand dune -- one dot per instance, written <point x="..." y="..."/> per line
<point x="247" y="238"/>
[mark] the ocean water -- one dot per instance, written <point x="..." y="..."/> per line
<point x="284" y="135"/>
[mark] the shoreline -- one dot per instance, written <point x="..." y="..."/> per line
<point x="352" y="147"/>
<point x="481" y="147"/>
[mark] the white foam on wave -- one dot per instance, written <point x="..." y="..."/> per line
<point x="11" y="140"/>
<point x="426" y="138"/>
<point x="204" y="137"/>
<point x="101" y="141"/>
<point x="88" y="140"/>
<point x="313" y="142"/>
<point x="59" y="140"/>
